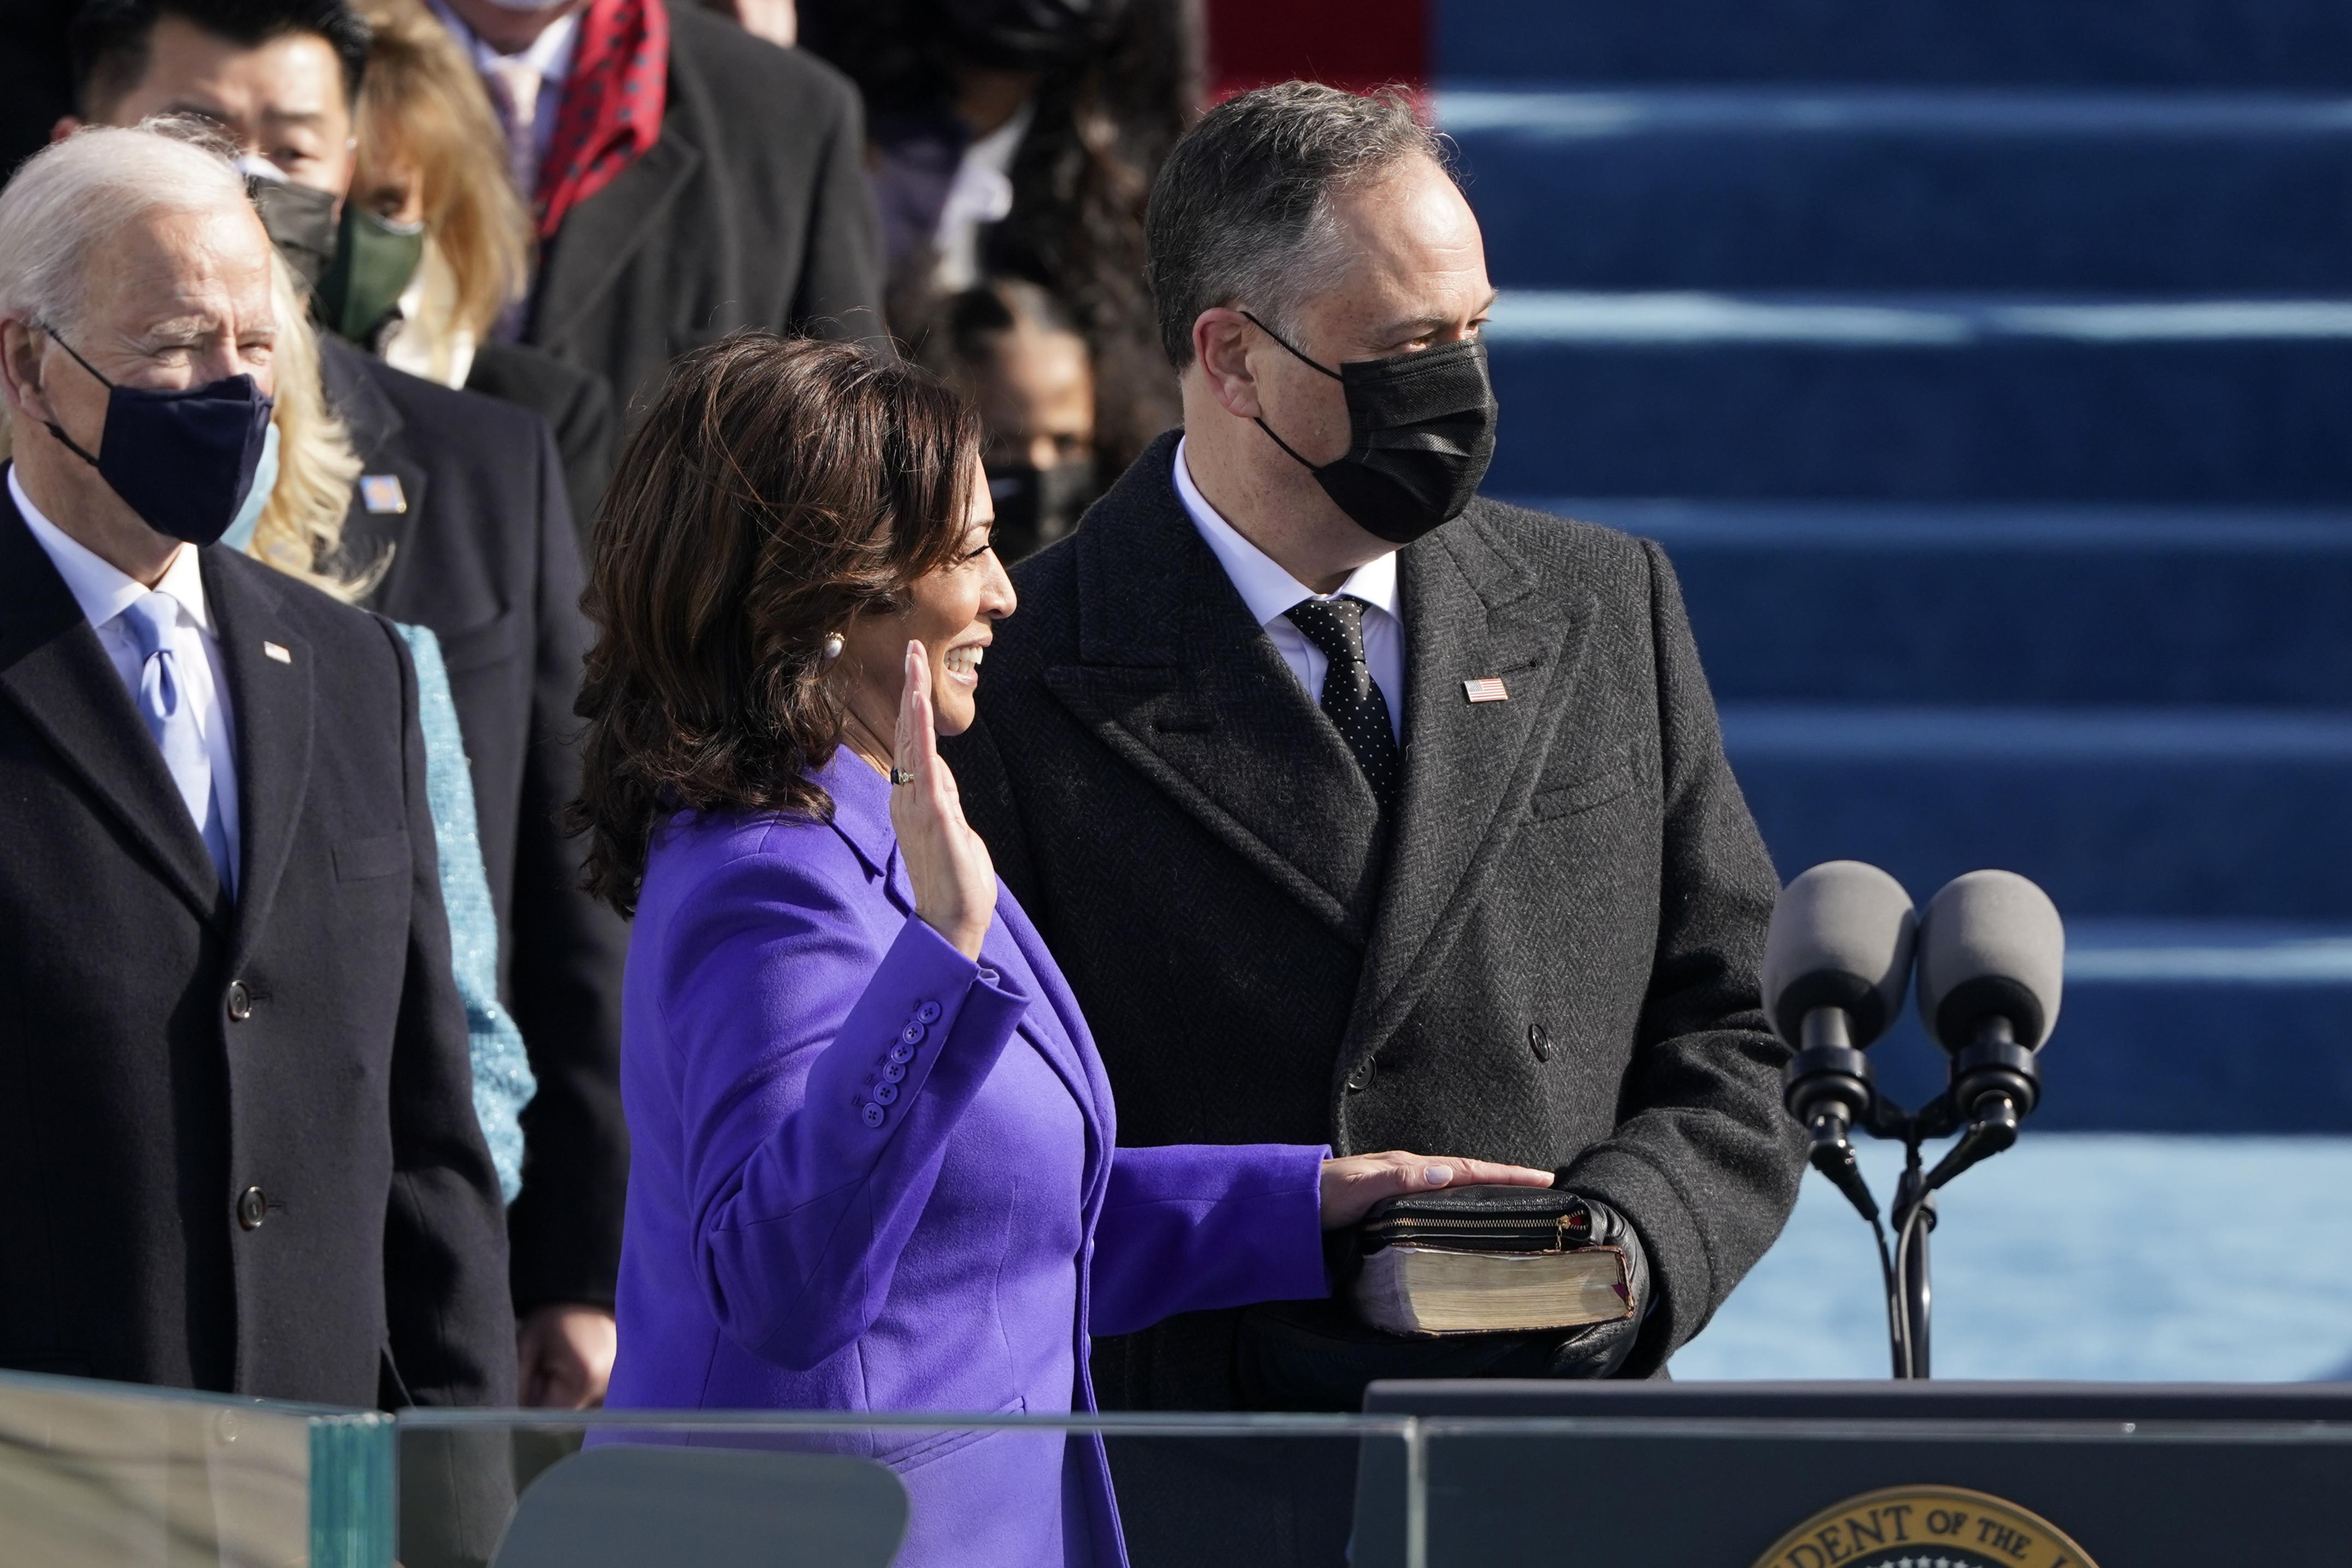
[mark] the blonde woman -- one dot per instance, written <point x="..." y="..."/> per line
<point x="434" y="254"/>
<point x="293" y="522"/>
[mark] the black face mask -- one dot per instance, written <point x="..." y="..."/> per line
<point x="301" y="223"/>
<point x="1036" y="507"/>
<point x="182" y="459"/>
<point x="1421" y="431"/>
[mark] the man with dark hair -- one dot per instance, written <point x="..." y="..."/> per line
<point x="1358" y="809"/>
<point x="466" y="496"/>
<point x="688" y="181"/>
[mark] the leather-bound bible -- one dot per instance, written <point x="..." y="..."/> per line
<point x="1486" y="1260"/>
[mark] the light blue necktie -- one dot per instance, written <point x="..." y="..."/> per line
<point x="172" y="720"/>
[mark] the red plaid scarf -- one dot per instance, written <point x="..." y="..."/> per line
<point x="611" y="113"/>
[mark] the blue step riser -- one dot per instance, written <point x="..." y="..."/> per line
<point x="1735" y="209"/>
<point x="1982" y="627"/>
<point x="2201" y="838"/>
<point x="2177" y="422"/>
<point x="2159" y="1058"/>
<point x="2157" y="42"/>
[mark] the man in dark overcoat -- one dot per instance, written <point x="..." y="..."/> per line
<point x="238" y="1097"/>
<point x="1361" y="811"/>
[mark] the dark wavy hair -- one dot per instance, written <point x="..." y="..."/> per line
<point x="777" y="488"/>
<point x="1081" y="177"/>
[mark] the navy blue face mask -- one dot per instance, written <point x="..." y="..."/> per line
<point x="182" y="459"/>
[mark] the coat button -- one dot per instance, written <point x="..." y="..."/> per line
<point x="240" y="1002"/>
<point x="894" y="1073"/>
<point x="902" y="1054"/>
<point x="1539" y="1042"/>
<point x="252" y="1208"/>
<point x="929" y="1012"/>
<point x="872" y="1115"/>
<point x="885" y="1094"/>
<point x="913" y="1033"/>
<point x="1360" y="1078"/>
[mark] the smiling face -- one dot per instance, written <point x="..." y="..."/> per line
<point x="953" y="613"/>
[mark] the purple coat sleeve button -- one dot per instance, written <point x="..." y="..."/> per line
<point x="885" y="1094"/>
<point x="929" y="1012"/>
<point x="912" y="1034"/>
<point x="894" y="1073"/>
<point x="873" y="1115"/>
<point x="902" y="1054"/>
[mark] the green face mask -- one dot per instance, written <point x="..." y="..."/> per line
<point x="375" y="259"/>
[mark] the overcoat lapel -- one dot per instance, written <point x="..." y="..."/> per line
<point x="1177" y="679"/>
<point x="272" y="701"/>
<point x="1470" y="611"/>
<point x="52" y="665"/>
<point x="602" y="233"/>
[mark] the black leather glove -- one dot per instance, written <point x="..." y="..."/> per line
<point x="1600" y="1350"/>
<point x="1317" y="1355"/>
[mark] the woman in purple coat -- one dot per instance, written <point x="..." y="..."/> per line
<point x="874" y="1152"/>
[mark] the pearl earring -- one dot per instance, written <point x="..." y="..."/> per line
<point x="832" y="646"/>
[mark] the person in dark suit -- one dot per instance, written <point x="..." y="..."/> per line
<point x="237" y="1060"/>
<point x="743" y="203"/>
<point x="461" y="502"/>
<point x="577" y="407"/>
<point x="1361" y="809"/>
<point x="463" y="498"/>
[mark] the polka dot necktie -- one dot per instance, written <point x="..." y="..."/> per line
<point x="1352" y="698"/>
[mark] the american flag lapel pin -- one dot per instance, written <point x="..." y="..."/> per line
<point x="278" y="651"/>
<point x="1485" y="689"/>
<point x="381" y="494"/>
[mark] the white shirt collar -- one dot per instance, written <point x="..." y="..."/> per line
<point x="1265" y="586"/>
<point x="549" y="54"/>
<point x="101" y="589"/>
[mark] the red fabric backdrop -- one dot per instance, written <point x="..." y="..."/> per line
<point x="1348" y="43"/>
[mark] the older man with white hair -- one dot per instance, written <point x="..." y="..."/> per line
<point x="237" y="1115"/>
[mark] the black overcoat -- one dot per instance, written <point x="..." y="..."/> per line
<point x="749" y="212"/>
<point x="241" y="1132"/>
<point x="482" y="552"/>
<point x="1549" y="956"/>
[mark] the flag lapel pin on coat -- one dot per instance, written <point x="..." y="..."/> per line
<point x="278" y="652"/>
<point x="381" y="493"/>
<point x="1485" y="689"/>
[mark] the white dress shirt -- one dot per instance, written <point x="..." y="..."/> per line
<point x="981" y="193"/>
<point x="104" y="593"/>
<point x="1270" y="592"/>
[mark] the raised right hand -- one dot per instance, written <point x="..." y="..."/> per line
<point x="947" y="864"/>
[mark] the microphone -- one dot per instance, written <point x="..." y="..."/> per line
<point x="1836" y="963"/>
<point x="1992" y="958"/>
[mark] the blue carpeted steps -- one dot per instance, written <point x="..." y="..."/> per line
<point x="1986" y="368"/>
<point x="1814" y="188"/>
<point x="2104" y="605"/>
<point x="2125" y="42"/>
<point x="1903" y="400"/>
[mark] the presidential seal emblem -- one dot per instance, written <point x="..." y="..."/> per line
<point x="1925" y="1527"/>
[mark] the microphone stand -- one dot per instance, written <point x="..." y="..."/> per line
<point x="1995" y="1083"/>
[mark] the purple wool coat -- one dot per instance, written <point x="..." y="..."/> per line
<point x="872" y="1174"/>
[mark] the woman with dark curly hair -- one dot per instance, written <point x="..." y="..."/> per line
<point x="1019" y="137"/>
<point x="874" y="1153"/>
